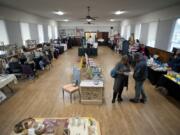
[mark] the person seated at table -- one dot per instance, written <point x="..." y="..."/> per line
<point x="27" y="60"/>
<point x="143" y="49"/>
<point x="43" y="61"/>
<point x="14" y="59"/>
<point x="22" y="58"/>
<point x="174" y="63"/>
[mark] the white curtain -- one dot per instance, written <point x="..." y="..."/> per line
<point x="40" y="33"/>
<point x="152" y="32"/>
<point x="122" y="31"/>
<point x="49" y="32"/>
<point x="25" y="32"/>
<point x="56" y="32"/>
<point x="175" y="42"/>
<point x="128" y="32"/>
<point x="3" y="33"/>
<point x="137" y="33"/>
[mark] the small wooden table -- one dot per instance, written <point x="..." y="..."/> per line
<point x="91" y="93"/>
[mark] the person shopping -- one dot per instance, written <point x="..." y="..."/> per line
<point x="121" y="79"/>
<point x="140" y="75"/>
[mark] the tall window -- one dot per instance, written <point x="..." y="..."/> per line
<point x="49" y="32"/>
<point x="25" y="32"/>
<point x="128" y="32"/>
<point x="137" y="33"/>
<point x="175" y="42"/>
<point x="152" y="31"/>
<point x="122" y="31"/>
<point x="3" y="33"/>
<point x="56" y="32"/>
<point x="40" y="33"/>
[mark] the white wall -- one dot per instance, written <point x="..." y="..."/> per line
<point x="97" y="26"/>
<point x="165" y="17"/>
<point x="12" y="19"/>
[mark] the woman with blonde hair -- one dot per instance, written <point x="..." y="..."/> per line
<point x="121" y="78"/>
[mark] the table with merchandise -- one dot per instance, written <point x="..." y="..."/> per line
<point x="57" y="126"/>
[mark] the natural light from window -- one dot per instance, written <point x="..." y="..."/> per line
<point x="175" y="42"/>
<point x="137" y="33"/>
<point x="128" y="32"/>
<point x="3" y="34"/>
<point x="40" y="33"/>
<point x="152" y="32"/>
<point x="25" y="32"/>
<point x="56" y="32"/>
<point x="49" y="32"/>
<point x="122" y="31"/>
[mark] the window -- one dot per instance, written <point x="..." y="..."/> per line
<point x="175" y="42"/>
<point x="56" y="32"/>
<point x="122" y="31"/>
<point x="137" y="33"/>
<point x="40" y="33"/>
<point x="25" y="32"/>
<point x="3" y="32"/>
<point x="152" y="31"/>
<point x="49" y="32"/>
<point x="128" y="32"/>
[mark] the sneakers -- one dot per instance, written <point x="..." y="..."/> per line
<point x="143" y="101"/>
<point x="120" y="100"/>
<point x="133" y="100"/>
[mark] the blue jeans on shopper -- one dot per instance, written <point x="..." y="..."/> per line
<point x="139" y="91"/>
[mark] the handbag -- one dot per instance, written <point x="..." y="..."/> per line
<point x="113" y="73"/>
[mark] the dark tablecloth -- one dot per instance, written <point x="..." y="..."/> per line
<point x="88" y="51"/>
<point x="172" y="87"/>
<point x="154" y="76"/>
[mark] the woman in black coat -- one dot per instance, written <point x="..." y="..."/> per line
<point x="121" y="79"/>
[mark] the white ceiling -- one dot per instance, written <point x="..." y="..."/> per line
<point x="75" y="9"/>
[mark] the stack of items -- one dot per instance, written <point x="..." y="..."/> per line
<point x="157" y="66"/>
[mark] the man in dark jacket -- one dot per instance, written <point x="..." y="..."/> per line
<point x="140" y="75"/>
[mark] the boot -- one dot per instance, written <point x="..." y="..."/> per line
<point x="114" y="97"/>
<point x="119" y="96"/>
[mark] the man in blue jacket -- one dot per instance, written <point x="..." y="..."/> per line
<point x="140" y="75"/>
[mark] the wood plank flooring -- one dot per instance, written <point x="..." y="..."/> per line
<point x="43" y="98"/>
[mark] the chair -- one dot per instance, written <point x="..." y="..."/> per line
<point x="72" y="87"/>
<point x="27" y="70"/>
<point x="15" y="68"/>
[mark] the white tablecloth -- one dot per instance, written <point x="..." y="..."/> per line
<point x="90" y="83"/>
<point x="6" y="79"/>
<point x="65" y="46"/>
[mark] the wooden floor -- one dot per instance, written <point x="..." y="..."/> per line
<point x="43" y="98"/>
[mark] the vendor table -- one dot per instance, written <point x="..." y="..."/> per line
<point x="171" y="85"/>
<point x="154" y="75"/>
<point x="91" y="92"/>
<point x="88" y="51"/>
<point x="60" y="126"/>
<point x="7" y="79"/>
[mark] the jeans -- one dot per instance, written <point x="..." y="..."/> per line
<point x="139" y="90"/>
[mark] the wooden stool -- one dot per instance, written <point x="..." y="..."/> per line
<point x="70" y="88"/>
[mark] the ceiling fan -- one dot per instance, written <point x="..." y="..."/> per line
<point x="89" y="23"/>
<point x="89" y="18"/>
